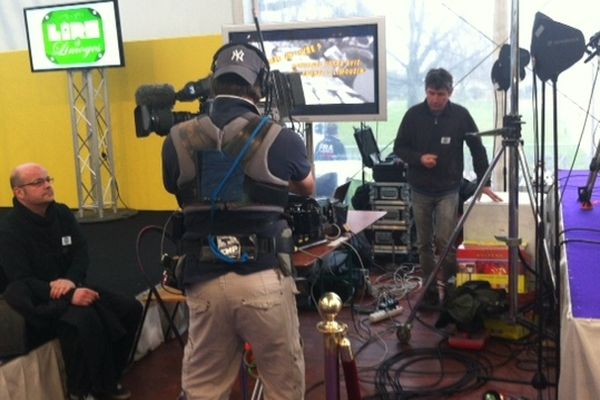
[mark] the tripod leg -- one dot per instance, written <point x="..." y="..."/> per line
<point x="403" y="330"/>
<point x="536" y="209"/>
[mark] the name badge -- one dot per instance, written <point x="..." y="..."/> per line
<point x="445" y="140"/>
<point x="66" y="241"/>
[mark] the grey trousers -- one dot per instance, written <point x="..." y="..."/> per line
<point x="435" y="220"/>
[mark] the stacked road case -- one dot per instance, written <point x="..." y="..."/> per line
<point x="393" y="234"/>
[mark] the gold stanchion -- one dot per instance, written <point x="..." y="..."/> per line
<point x="336" y="344"/>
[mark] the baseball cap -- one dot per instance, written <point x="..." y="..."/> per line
<point x="240" y="60"/>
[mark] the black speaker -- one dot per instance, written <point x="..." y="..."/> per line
<point x="554" y="47"/>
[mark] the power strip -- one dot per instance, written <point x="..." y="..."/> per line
<point x="380" y="315"/>
<point x="371" y="290"/>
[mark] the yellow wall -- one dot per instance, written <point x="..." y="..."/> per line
<point x="35" y="120"/>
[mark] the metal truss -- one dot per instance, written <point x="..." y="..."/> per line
<point x="97" y="191"/>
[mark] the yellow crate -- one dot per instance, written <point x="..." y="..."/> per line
<point x="488" y="263"/>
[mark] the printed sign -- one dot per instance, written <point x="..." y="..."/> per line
<point x="73" y="36"/>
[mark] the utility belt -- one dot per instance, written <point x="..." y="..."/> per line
<point x="242" y="248"/>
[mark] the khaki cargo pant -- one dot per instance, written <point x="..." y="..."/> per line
<point x="227" y="311"/>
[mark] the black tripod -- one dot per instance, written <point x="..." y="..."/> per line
<point x="511" y="134"/>
<point x="512" y="144"/>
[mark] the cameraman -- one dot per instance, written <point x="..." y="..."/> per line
<point x="236" y="298"/>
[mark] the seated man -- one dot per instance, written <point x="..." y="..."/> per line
<point x="45" y="257"/>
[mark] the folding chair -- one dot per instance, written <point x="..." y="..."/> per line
<point x="159" y="293"/>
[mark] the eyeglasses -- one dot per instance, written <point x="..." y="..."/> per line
<point x="38" y="182"/>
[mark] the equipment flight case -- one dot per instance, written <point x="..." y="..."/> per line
<point x="393" y="233"/>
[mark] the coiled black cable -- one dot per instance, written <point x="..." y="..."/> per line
<point x="390" y="372"/>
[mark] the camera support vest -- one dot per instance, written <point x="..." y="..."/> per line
<point x="262" y="191"/>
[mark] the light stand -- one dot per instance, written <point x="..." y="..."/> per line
<point x="511" y="140"/>
<point x="554" y="48"/>
<point x="512" y="145"/>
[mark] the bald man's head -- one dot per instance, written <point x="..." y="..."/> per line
<point x="16" y="176"/>
<point x="32" y="187"/>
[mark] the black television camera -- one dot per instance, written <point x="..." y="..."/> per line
<point x="154" y="110"/>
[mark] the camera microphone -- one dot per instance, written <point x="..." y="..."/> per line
<point x="159" y="96"/>
<point x="154" y="106"/>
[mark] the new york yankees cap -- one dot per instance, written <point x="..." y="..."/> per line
<point x="239" y="60"/>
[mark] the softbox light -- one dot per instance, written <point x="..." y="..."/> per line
<point x="554" y="47"/>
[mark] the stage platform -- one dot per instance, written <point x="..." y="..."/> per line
<point x="580" y="297"/>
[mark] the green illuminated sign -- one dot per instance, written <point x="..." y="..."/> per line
<point x="73" y="36"/>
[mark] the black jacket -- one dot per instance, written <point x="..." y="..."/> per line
<point x="422" y="132"/>
<point x="36" y="250"/>
<point x="42" y="248"/>
<point x="95" y="340"/>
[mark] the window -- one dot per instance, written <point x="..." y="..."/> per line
<point x="460" y="36"/>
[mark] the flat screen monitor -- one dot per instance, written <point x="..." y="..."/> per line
<point x="74" y="36"/>
<point x="341" y="64"/>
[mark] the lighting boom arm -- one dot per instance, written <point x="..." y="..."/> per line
<point x="593" y="47"/>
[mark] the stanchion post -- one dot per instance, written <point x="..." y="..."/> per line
<point x="330" y="305"/>
<point x="336" y="345"/>
<point x="350" y="370"/>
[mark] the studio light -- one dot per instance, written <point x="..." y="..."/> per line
<point x="554" y="47"/>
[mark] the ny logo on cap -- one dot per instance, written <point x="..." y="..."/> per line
<point x="237" y="55"/>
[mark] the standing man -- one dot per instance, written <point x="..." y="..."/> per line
<point x="45" y="258"/>
<point x="331" y="147"/>
<point x="237" y="244"/>
<point x="430" y="140"/>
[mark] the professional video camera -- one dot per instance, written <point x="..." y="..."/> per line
<point x="154" y="110"/>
